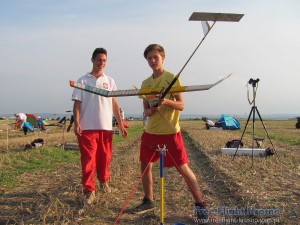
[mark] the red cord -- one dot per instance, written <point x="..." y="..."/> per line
<point x="186" y="180"/>
<point x="133" y="191"/>
<point x="192" y="189"/>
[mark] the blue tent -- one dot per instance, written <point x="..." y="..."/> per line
<point x="28" y="126"/>
<point x="229" y="122"/>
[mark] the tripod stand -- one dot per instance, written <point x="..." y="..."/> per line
<point x="252" y="112"/>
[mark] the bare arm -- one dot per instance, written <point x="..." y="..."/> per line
<point x="116" y="111"/>
<point x="177" y="105"/>
<point x="76" y="114"/>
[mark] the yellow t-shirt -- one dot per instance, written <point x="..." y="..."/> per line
<point x="167" y="121"/>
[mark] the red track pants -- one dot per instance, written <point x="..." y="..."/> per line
<point x="95" y="155"/>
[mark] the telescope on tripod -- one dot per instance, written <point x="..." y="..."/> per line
<point x="255" y="141"/>
<point x="253" y="82"/>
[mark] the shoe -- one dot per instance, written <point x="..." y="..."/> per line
<point x="146" y="206"/>
<point x="89" y="197"/>
<point x="201" y="213"/>
<point x="105" y="187"/>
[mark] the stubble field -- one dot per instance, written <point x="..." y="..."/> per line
<point x="43" y="186"/>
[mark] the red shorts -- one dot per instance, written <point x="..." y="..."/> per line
<point x="174" y="145"/>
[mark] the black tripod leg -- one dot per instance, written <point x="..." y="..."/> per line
<point x="253" y="132"/>
<point x="266" y="132"/>
<point x="243" y="133"/>
<point x="71" y="123"/>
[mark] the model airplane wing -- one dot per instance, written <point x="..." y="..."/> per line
<point x="143" y="91"/>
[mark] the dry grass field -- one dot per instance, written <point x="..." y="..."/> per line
<point x="53" y="195"/>
<point x="13" y="140"/>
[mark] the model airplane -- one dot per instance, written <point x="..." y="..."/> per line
<point x="196" y="16"/>
<point x="143" y="91"/>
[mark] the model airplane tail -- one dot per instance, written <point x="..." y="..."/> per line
<point x="143" y="91"/>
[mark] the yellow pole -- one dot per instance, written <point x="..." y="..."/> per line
<point x="162" y="152"/>
<point x="162" y="203"/>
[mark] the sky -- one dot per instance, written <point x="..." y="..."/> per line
<point x="46" y="43"/>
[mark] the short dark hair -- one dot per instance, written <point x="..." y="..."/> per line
<point x="99" y="51"/>
<point x="152" y="47"/>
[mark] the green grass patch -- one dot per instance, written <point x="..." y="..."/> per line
<point x="290" y="140"/>
<point x="14" y="164"/>
<point x="32" y="160"/>
<point x="285" y="138"/>
<point x="133" y="131"/>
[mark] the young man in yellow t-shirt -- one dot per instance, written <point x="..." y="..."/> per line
<point x="162" y="129"/>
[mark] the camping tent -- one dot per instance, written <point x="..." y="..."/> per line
<point x="229" y="122"/>
<point x="31" y="118"/>
<point x="36" y="122"/>
<point x="29" y="127"/>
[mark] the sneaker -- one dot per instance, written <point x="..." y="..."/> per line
<point x="146" y="206"/>
<point x="201" y="213"/>
<point x="89" y="197"/>
<point x="105" y="187"/>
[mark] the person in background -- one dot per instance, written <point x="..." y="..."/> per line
<point x="20" y="121"/>
<point x="156" y="133"/>
<point x="41" y="124"/>
<point x="122" y="114"/>
<point x="208" y="123"/>
<point x="145" y="120"/>
<point x="93" y="127"/>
